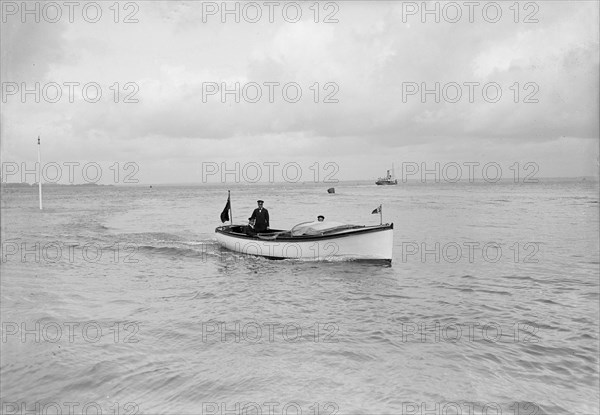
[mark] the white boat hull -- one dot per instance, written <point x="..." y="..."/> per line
<point x="365" y="243"/>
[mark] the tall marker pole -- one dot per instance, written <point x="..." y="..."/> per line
<point x="40" y="172"/>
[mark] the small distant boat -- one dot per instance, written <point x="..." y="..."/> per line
<point x="312" y="241"/>
<point x="388" y="179"/>
<point x="331" y="190"/>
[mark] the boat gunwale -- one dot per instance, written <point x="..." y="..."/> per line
<point x="306" y="238"/>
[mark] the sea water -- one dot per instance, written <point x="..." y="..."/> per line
<point x="117" y="299"/>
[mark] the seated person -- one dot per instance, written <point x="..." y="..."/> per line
<point x="249" y="229"/>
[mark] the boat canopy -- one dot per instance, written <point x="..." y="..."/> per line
<point x="318" y="228"/>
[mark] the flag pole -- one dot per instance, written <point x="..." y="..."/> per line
<point x="39" y="172"/>
<point x="230" y="211"/>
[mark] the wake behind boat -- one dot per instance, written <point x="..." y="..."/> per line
<point x="312" y="241"/>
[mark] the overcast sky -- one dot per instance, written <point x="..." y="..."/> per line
<point x="370" y="60"/>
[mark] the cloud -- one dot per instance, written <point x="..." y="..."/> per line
<point x="365" y="62"/>
<point x="30" y="49"/>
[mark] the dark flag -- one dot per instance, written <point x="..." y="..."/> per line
<point x="225" y="213"/>
<point x="378" y="210"/>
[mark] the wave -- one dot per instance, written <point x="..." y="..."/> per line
<point x="178" y="251"/>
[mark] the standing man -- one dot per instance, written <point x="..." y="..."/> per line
<point x="260" y="216"/>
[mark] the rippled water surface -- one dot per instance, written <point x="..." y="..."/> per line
<point x="491" y="302"/>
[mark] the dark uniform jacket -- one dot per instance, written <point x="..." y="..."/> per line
<point x="261" y="216"/>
